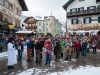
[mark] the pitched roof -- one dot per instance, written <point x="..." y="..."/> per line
<point x="23" y="5"/>
<point x="69" y="2"/>
<point x="27" y="19"/>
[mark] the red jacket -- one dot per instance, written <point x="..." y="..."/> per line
<point x="49" y="47"/>
<point x="77" y="44"/>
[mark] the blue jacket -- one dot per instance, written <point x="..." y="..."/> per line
<point x="84" y="45"/>
<point x="30" y="44"/>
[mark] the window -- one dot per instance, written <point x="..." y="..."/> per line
<point x="91" y="7"/>
<point x="99" y="19"/>
<point x="43" y="24"/>
<point x="10" y="19"/>
<point x="98" y="6"/>
<point x="81" y="0"/>
<point x="47" y="23"/>
<point x="43" y="30"/>
<point x="87" y="20"/>
<point x="74" y="21"/>
<point x="81" y="9"/>
<point x="17" y="23"/>
<point x="6" y="4"/>
<point x="40" y="30"/>
<point x="39" y="24"/>
<point x="10" y="7"/>
<point x="47" y="29"/>
<point x="73" y="10"/>
<point x="1" y="2"/>
<point x="1" y="17"/>
<point x="6" y="18"/>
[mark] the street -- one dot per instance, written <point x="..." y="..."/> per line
<point x="57" y="66"/>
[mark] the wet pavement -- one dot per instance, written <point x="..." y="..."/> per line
<point x="57" y="66"/>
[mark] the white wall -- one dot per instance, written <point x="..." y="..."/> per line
<point x="81" y="18"/>
<point x="85" y="4"/>
<point x="41" y="26"/>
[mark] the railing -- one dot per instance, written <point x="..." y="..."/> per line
<point x="84" y="12"/>
<point x="31" y="27"/>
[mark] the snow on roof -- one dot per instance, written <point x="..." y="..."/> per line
<point x="40" y="18"/>
<point x="26" y="32"/>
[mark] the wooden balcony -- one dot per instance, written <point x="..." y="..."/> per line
<point x="83" y="13"/>
<point x="31" y="27"/>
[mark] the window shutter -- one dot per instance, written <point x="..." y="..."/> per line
<point x="87" y="8"/>
<point x="83" y="8"/>
<point x="78" y="9"/>
<point x="94" y="7"/>
<point x="98" y="6"/>
<point x="83" y="20"/>
<point x="75" y="9"/>
<point x="99" y="19"/>
<point x="77" y="21"/>
<point x="72" y="21"/>
<point x="70" y="10"/>
<point x="89" y="20"/>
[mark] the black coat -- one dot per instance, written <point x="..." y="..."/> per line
<point x="57" y="48"/>
<point x="38" y="46"/>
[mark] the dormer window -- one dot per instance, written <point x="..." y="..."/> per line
<point x="81" y="0"/>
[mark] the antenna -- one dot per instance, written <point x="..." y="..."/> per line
<point x="51" y="13"/>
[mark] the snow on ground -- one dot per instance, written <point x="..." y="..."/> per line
<point x="83" y="70"/>
<point x="5" y="54"/>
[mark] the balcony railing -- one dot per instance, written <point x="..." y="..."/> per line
<point x="84" y="12"/>
<point x="31" y="27"/>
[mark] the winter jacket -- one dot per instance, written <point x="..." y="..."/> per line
<point x="49" y="48"/>
<point x="77" y="44"/>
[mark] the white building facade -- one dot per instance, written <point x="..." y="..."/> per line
<point x="82" y="14"/>
<point x="50" y="25"/>
<point x="44" y="25"/>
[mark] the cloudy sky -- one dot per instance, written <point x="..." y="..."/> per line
<point x="44" y="8"/>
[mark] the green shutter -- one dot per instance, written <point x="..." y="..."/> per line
<point x="94" y="7"/>
<point x="70" y="10"/>
<point x="83" y="8"/>
<point x="89" y="20"/>
<point x="83" y="20"/>
<point x="98" y="6"/>
<point x="87" y="8"/>
<point x="72" y="21"/>
<point x="78" y="9"/>
<point x="77" y="21"/>
<point x="99" y="19"/>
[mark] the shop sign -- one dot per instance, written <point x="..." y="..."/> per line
<point x="11" y="26"/>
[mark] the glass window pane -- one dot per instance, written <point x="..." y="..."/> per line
<point x="75" y="21"/>
<point x="86" y="20"/>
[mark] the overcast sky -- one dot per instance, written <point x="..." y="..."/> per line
<point x="44" y="8"/>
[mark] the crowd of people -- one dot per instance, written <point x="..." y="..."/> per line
<point x="72" y="46"/>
